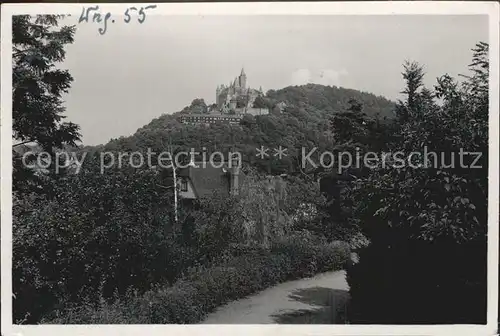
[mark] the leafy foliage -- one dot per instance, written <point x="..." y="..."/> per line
<point x="198" y="106"/>
<point x="101" y="234"/>
<point x="427" y="226"/>
<point x="261" y="102"/>
<point x="117" y="228"/>
<point x="203" y="289"/>
<point x="37" y="88"/>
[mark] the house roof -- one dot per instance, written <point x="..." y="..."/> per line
<point x="207" y="179"/>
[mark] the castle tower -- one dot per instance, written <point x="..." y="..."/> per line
<point x="243" y="79"/>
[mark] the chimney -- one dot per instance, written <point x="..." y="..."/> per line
<point x="235" y="179"/>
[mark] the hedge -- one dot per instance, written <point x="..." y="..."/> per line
<point x="200" y="291"/>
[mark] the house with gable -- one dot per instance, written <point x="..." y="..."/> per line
<point x="203" y="179"/>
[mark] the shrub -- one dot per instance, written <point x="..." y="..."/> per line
<point x="97" y="235"/>
<point x="301" y="247"/>
<point x="203" y="289"/>
<point x="333" y="255"/>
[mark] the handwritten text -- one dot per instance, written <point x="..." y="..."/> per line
<point x="94" y="15"/>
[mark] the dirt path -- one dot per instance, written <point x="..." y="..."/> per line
<point x="317" y="300"/>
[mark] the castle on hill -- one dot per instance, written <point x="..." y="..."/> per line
<point x="237" y="96"/>
<point x="232" y="102"/>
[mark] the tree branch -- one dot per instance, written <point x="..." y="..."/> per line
<point x="22" y="143"/>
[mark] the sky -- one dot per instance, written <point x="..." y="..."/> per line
<point x="137" y="72"/>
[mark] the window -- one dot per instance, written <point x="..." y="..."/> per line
<point x="184" y="185"/>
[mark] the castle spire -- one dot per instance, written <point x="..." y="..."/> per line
<point x="242" y="79"/>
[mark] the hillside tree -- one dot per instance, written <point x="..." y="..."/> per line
<point x="427" y="226"/>
<point x="38" y="86"/>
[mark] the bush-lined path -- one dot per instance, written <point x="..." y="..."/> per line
<point x="320" y="300"/>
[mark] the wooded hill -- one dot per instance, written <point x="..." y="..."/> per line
<point x="304" y="122"/>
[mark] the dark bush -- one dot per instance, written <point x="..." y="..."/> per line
<point x="100" y="235"/>
<point x="427" y="258"/>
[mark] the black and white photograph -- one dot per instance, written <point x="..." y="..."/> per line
<point x="325" y="164"/>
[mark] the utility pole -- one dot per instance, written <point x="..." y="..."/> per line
<point x="175" y="192"/>
<point x="174" y="173"/>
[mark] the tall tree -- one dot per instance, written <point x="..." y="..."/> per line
<point x="427" y="226"/>
<point x="413" y="75"/>
<point x="38" y="86"/>
<point x="349" y="125"/>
